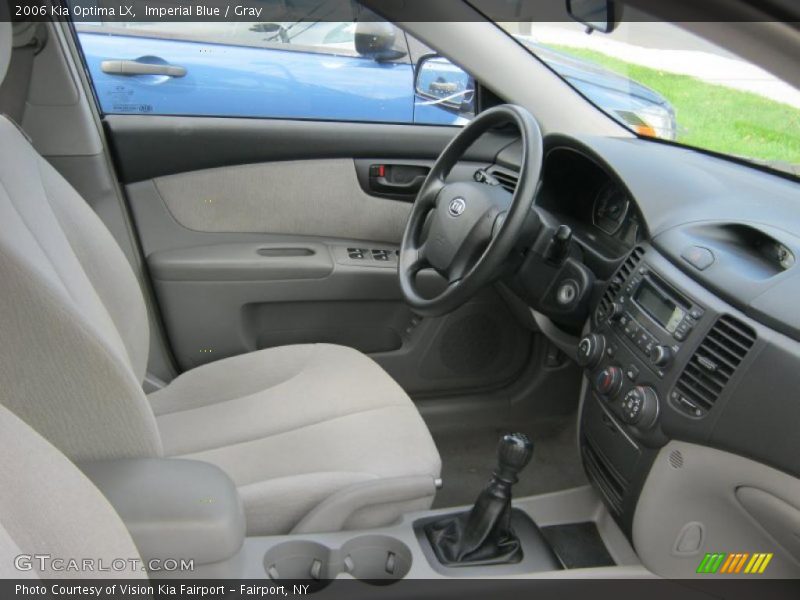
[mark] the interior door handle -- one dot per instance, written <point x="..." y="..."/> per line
<point x="134" y="67"/>
<point x="406" y="187"/>
<point x="398" y="179"/>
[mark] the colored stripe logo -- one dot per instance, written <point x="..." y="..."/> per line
<point x="735" y="563"/>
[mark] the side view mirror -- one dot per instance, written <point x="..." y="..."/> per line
<point x="276" y="31"/>
<point x="442" y="83"/>
<point x="597" y="15"/>
<point x="376" y="40"/>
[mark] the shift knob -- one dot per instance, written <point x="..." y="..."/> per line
<point x="513" y="452"/>
<point x="484" y="535"/>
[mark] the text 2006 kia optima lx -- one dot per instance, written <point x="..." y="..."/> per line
<point x="411" y="299"/>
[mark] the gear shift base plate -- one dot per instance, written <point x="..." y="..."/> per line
<point x="537" y="555"/>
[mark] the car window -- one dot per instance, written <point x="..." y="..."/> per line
<point x="661" y="81"/>
<point x="294" y="69"/>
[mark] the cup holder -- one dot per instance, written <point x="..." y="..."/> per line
<point x="299" y="561"/>
<point x="373" y="559"/>
<point x="376" y="559"/>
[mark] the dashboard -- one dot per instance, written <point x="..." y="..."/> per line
<point x="690" y="332"/>
<point x="597" y="206"/>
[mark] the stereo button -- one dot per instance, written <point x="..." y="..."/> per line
<point x="661" y="356"/>
<point x="682" y="331"/>
<point x="642" y="340"/>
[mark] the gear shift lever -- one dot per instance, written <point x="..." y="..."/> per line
<point x="483" y="536"/>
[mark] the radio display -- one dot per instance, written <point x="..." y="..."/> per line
<point x="662" y="309"/>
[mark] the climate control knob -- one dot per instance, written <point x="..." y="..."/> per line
<point x="608" y="381"/>
<point x="590" y="350"/>
<point x="639" y="407"/>
<point x="661" y="356"/>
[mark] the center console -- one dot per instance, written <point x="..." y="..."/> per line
<point x="177" y="509"/>
<point x="642" y="335"/>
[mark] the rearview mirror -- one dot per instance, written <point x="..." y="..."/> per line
<point x="376" y="40"/>
<point x="597" y="15"/>
<point x="442" y="83"/>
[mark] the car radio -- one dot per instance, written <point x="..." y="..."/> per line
<point x="653" y="317"/>
<point x="639" y="335"/>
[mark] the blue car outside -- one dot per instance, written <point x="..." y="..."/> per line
<point x="238" y="81"/>
<point x="320" y="76"/>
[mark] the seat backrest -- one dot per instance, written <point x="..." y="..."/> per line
<point x="48" y="507"/>
<point x="73" y="323"/>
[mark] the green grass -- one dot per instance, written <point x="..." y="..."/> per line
<point x="716" y="117"/>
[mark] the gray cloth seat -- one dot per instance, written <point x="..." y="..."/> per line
<point x="49" y="508"/>
<point x="295" y="427"/>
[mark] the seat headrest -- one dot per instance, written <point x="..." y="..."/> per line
<point x="6" y="41"/>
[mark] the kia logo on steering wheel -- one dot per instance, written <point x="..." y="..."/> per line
<point x="457" y="206"/>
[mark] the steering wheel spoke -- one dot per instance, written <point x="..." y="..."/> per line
<point x="416" y="259"/>
<point x="429" y="194"/>
<point x="497" y="226"/>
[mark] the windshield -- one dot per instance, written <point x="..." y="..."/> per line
<point x="661" y="81"/>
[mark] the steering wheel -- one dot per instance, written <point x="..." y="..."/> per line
<point x="465" y="230"/>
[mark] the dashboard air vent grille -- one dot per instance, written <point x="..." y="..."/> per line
<point x="712" y="365"/>
<point x="508" y="181"/>
<point x="617" y="281"/>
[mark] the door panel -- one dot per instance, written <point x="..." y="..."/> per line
<point x="253" y="243"/>
<point x="305" y="197"/>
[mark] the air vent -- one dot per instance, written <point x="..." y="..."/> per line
<point x="712" y="365"/>
<point x="507" y="180"/>
<point x="617" y="281"/>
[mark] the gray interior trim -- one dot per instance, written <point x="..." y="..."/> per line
<point x="565" y="342"/>
<point x="779" y="517"/>
<point x="689" y="484"/>
<point x="243" y="262"/>
<point x="310" y="197"/>
<point x="173" y="508"/>
<point x="235" y="292"/>
<point x="578" y="505"/>
<point x="159" y="230"/>
<point x="333" y="513"/>
<point x="14" y="86"/>
<point x="151" y="146"/>
<point x="5" y="45"/>
<point x="88" y="167"/>
<point x="58" y="113"/>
